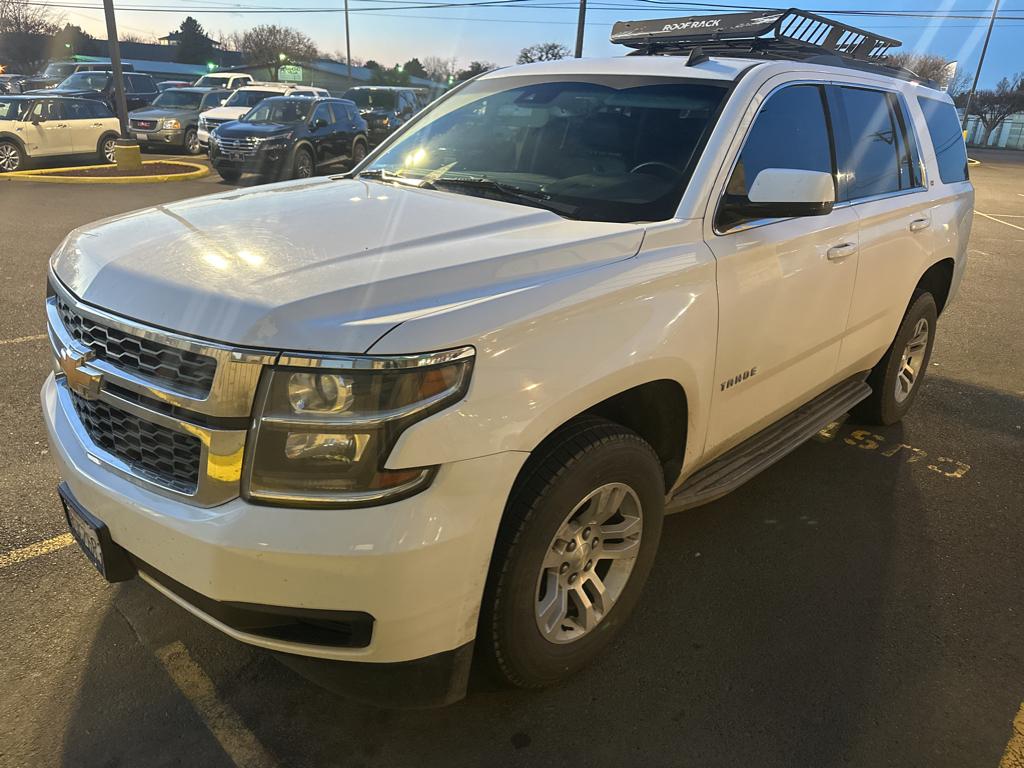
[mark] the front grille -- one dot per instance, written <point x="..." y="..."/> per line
<point x="185" y="371"/>
<point x="212" y="122"/>
<point x="246" y="146"/>
<point x="142" y="125"/>
<point x="156" y="453"/>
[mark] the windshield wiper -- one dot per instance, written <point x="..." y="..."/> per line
<point x="536" y="199"/>
<point x="394" y="178"/>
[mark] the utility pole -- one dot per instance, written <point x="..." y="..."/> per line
<point x="977" y="72"/>
<point x="579" y="29"/>
<point x="115" y="61"/>
<point x="348" y="47"/>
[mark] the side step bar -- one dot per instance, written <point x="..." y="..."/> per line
<point x="738" y="465"/>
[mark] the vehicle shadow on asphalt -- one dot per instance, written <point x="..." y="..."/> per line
<point x="795" y="622"/>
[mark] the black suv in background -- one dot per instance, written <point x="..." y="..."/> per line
<point x="385" y="108"/>
<point x="289" y="137"/>
<point x="139" y="89"/>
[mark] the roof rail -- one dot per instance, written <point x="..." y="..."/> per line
<point x="790" y="33"/>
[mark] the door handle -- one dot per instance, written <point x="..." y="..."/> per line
<point x="918" y="224"/>
<point x="842" y="251"/>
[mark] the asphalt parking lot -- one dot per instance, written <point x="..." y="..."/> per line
<point x="859" y="604"/>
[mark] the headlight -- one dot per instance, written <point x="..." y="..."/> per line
<point x="171" y="125"/>
<point x="325" y="428"/>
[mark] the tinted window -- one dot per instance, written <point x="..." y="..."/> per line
<point x="99" y="109"/>
<point x="323" y="112"/>
<point x="910" y="159"/>
<point x="177" y="99"/>
<point x="214" y="99"/>
<point x="140" y="84"/>
<point x="790" y="131"/>
<point x="89" y="81"/>
<point x="50" y="110"/>
<point x="248" y="98"/>
<point x="944" y="129"/>
<point x="77" y="110"/>
<point x="871" y="162"/>
<point x="12" y="109"/>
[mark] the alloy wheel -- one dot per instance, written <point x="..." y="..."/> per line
<point x="304" y="166"/>
<point x="192" y="143"/>
<point x="108" y="150"/>
<point x="10" y="158"/>
<point x="912" y="360"/>
<point x="588" y="563"/>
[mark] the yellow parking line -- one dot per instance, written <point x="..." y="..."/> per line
<point x="987" y="216"/>
<point x="38" y="549"/>
<point x="1013" y="757"/>
<point x="21" y="339"/>
<point x="227" y="727"/>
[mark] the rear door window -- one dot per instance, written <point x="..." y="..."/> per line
<point x="876" y="155"/>
<point x="947" y="139"/>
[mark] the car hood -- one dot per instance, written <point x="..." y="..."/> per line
<point x="323" y="265"/>
<point x="240" y="129"/>
<point x="226" y="113"/>
<point x="158" y="112"/>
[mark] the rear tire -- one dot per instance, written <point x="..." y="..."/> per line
<point x="896" y="379"/>
<point x="11" y="157"/>
<point x="562" y="584"/>
<point x="358" y="152"/>
<point x="105" y="149"/>
<point x="229" y="175"/>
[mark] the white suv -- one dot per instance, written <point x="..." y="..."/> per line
<point x="439" y="407"/>
<point x="244" y="99"/>
<point x="35" y="126"/>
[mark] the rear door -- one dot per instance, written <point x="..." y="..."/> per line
<point x="882" y="182"/>
<point x="322" y="134"/>
<point x="344" y="129"/>
<point x="47" y="132"/>
<point x="86" y="125"/>
<point x="784" y="285"/>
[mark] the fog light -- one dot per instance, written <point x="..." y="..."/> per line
<point x="342" y="447"/>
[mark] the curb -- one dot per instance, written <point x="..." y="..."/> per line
<point x="52" y="175"/>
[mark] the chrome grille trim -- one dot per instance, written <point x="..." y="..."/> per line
<point x="245" y="146"/>
<point x="233" y="387"/>
<point x="143" y="125"/>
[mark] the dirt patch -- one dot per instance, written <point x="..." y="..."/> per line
<point x="151" y="168"/>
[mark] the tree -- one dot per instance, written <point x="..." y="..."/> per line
<point x="72" y="40"/>
<point x="371" y="64"/>
<point x="414" y="68"/>
<point x="194" y="47"/>
<point x="994" y="106"/>
<point x="475" y="68"/>
<point x="265" y="43"/>
<point x="439" y="70"/>
<point x="927" y="66"/>
<point x="542" y="52"/>
<point x="392" y="76"/>
<point x="24" y="34"/>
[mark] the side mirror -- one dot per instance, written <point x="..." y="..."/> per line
<point x="38" y="119"/>
<point x="782" y="193"/>
<point x="318" y="123"/>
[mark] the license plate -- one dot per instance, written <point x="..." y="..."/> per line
<point x="141" y="136"/>
<point x="236" y="156"/>
<point x="94" y="539"/>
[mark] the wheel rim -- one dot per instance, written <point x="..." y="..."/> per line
<point x="9" y="158"/>
<point x="304" y="167"/>
<point x="588" y="563"/>
<point x="912" y="360"/>
<point x="108" y="150"/>
<point x="360" y="154"/>
<point x="192" y="143"/>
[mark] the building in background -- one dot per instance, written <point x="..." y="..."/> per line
<point x="1009" y="134"/>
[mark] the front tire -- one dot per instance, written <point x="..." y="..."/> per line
<point x="303" y="166"/>
<point x="896" y="379"/>
<point x="577" y="542"/>
<point x="191" y="143"/>
<point x="11" y="157"/>
<point x="229" y="175"/>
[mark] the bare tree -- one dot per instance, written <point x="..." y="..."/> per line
<point x="341" y="56"/>
<point x="24" y="32"/>
<point x="993" y="106"/>
<point x="265" y="44"/>
<point x="440" y="69"/>
<point x="927" y="66"/>
<point x="542" y="52"/>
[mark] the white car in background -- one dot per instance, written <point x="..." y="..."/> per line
<point x="244" y="99"/>
<point x="229" y="81"/>
<point x="44" y="126"/>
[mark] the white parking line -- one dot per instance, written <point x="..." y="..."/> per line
<point x="38" y="549"/>
<point x="20" y="339"/>
<point x="987" y="216"/>
<point x="227" y="727"/>
<point x="1013" y="757"/>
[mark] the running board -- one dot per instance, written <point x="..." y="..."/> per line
<point x="738" y="465"/>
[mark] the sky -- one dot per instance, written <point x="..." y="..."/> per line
<point x="390" y="31"/>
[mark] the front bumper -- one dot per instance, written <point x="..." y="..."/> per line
<point x="265" y="161"/>
<point x="169" y="137"/>
<point x="417" y="566"/>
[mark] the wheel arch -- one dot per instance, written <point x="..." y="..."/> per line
<point x="16" y="139"/>
<point x="938" y="281"/>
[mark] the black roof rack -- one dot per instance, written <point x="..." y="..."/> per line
<point x="790" y="33"/>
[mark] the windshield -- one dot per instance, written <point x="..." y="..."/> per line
<point x="365" y="99"/>
<point x="58" y="70"/>
<point x="213" y="81"/>
<point x="12" y="109"/>
<point x="248" y="98"/>
<point x="173" y="99"/>
<point x="615" y="148"/>
<point x="281" y="110"/>
<point x="86" y="81"/>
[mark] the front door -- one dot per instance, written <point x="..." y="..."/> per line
<point x="784" y="285"/>
<point x="322" y="134"/>
<point x="86" y="125"/>
<point x="46" y="130"/>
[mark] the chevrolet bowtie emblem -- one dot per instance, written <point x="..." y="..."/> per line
<point x="82" y="381"/>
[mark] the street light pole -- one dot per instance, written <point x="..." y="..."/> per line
<point x="348" y="47"/>
<point x="115" y="61"/>
<point x="977" y="72"/>
<point x="579" y="29"/>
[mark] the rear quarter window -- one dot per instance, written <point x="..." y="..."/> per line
<point x="947" y="139"/>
